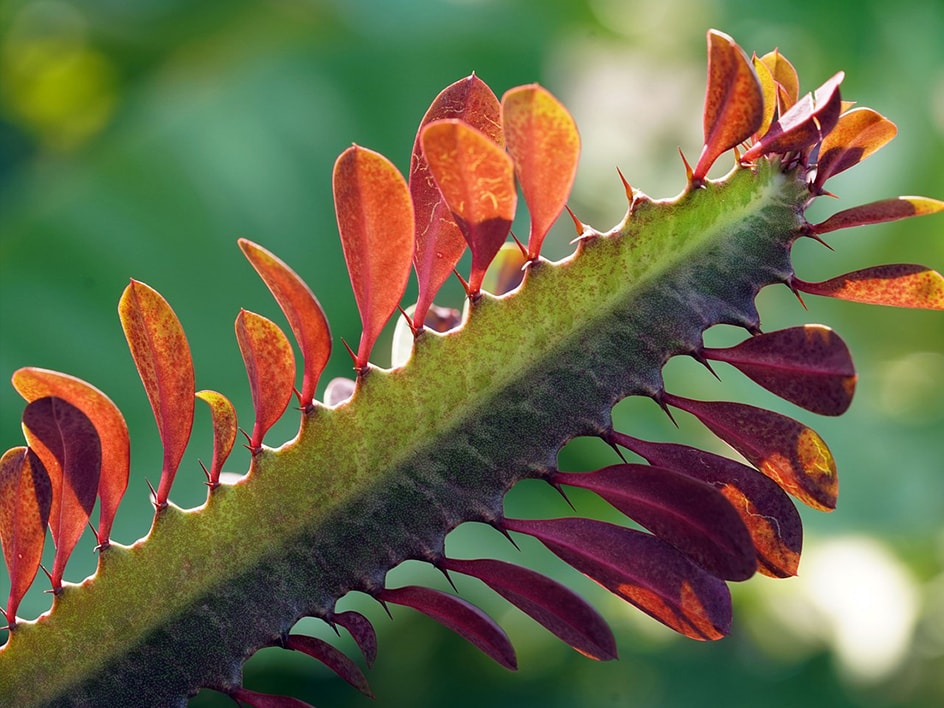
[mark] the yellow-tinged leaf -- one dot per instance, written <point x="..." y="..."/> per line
<point x="225" y="428"/>
<point x="769" y="89"/>
<point x="857" y="134"/>
<point x="786" y="76"/>
<point x="878" y="212"/>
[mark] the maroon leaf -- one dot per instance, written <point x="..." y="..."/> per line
<point x="66" y="441"/>
<point x="439" y="241"/>
<point x="640" y="568"/>
<point x="899" y="285"/>
<point x="225" y="428"/>
<point x="301" y="309"/>
<point x="784" y="449"/>
<point x="460" y="616"/>
<point x="879" y="212"/>
<point x="767" y="512"/>
<point x="559" y="609"/>
<point x="331" y="657"/>
<point x="687" y="513"/>
<point x="858" y="133"/>
<point x="266" y="700"/>
<point x="809" y="366"/>
<point x="25" y="503"/>
<point x="33" y="383"/>
<point x="362" y="631"/>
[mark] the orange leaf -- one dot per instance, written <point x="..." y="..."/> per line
<point x="857" y="134"/>
<point x="545" y="145"/>
<point x="375" y="220"/>
<point x="476" y="178"/>
<point x="786" y="77"/>
<point x="270" y="365"/>
<point x="879" y="212"/>
<point x="301" y="309"/>
<point x="900" y="285"/>
<point x="224" y="431"/>
<point x="33" y="383"/>
<point x="769" y="88"/>
<point x="162" y="355"/>
<point x="25" y="502"/>
<point x="734" y="100"/>
<point x="439" y="241"/>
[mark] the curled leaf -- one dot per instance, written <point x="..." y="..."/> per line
<point x="786" y="78"/>
<point x="734" y="100"/>
<point x="687" y="513"/>
<point x="460" y="616"/>
<point x="375" y="220"/>
<point x="857" y="134"/>
<point x="270" y="365"/>
<point x="162" y="356"/>
<point x="476" y="178"/>
<point x="65" y="440"/>
<point x="879" y="212"/>
<point x="301" y="309"/>
<point x="331" y="657"/>
<point x="542" y="138"/>
<point x="784" y="449"/>
<point x="809" y="366"/>
<point x="641" y="569"/>
<point x="770" y="89"/>
<point x="559" y="609"/>
<point x="25" y="503"/>
<point x="439" y="241"/>
<point x="362" y="631"/>
<point x="899" y="285"/>
<point x="225" y="428"/>
<point x="33" y="383"/>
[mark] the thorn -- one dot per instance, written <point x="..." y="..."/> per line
<point x="153" y="493"/>
<point x="103" y="545"/>
<point x="658" y="398"/>
<point x="578" y="224"/>
<point x="48" y="574"/>
<point x="816" y="237"/>
<point x="689" y="172"/>
<point x="616" y="449"/>
<point x="205" y="472"/>
<point x="465" y="284"/>
<point x="792" y="284"/>
<point x="700" y="358"/>
<point x="445" y="572"/>
<point x="351" y="352"/>
<point x="521" y="247"/>
<point x="409" y="322"/>
<point x="560" y="490"/>
<point x="626" y="186"/>
<point x="504" y="532"/>
<point x="386" y="609"/>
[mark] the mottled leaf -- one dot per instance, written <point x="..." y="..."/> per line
<point x="767" y="512"/>
<point x="687" y="513"/>
<point x="65" y="440"/>
<point x="162" y="356"/>
<point x="640" y="568"/>
<point x="460" y="616"/>
<point x="33" y="383"/>
<point x="362" y="631"/>
<point x="857" y="134"/>
<point x="879" y="212"/>
<point x="225" y="428"/>
<point x="375" y="220"/>
<point x="266" y="700"/>
<point x="899" y="285"/>
<point x="804" y="125"/>
<point x="559" y="609"/>
<point x="734" y="100"/>
<point x="542" y="138"/>
<point x="476" y="178"/>
<point x="784" y="449"/>
<point x="809" y="366"/>
<point x="787" y="79"/>
<point x="331" y="657"/>
<point x="25" y="503"/>
<point x="301" y="309"/>
<point x="270" y="365"/>
<point x="439" y="240"/>
<point x="769" y="89"/>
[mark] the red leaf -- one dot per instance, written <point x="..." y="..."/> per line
<point x="461" y="617"/>
<point x="879" y="212"/>
<point x="331" y="657"/>
<point x="641" y="569"/>
<point x="25" y="503"/>
<point x="162" y="356"/>
<point x="805" y="124"/>
<point x="266" y="700"/>
<point x="809" y="366"/>
<point x="65" y="440"/>
<point x="225" y="428"/>
<point x="559" y="609"/>
<point x="301" y="309"/>
<point x="685" y="512"/>
<point x="784" y="449"/>
<point x="270" y="365"/>
<point x="900" y="285"/>
<point x="375" y="220"/>
<point x="362" y="631"/>
<point x="439" y="241"/>
<point x="767" y="512"/>
<point x="33" y="383"/>
<point x="543" y="141"/>
<point x="734" y="100"/>
<point x="857" y="134"/>
<point x="476" y="178"/>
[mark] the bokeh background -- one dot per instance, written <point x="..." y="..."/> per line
<point x="141" y="139"/>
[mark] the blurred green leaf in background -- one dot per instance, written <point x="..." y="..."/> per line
<point x="141" y="139"/>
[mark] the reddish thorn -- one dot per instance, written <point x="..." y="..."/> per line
<point x="499" y="526"/>
<point x="448" y="577"/>
<point x="351" y="352"/>
<point x="626" y="186"/>
<point x="616" y="448"/>
<point x="205" y="471"/>
<point x="699" y="356"/>
<point x="465" y="284"/>
<point x="661" y="399"/>
<point x="521" y="247"/>
<point x="796" y="285"/>
<point x="157" y="506"/>
<point x="816" y="237"/>
<point x="578" y="224"/>
<point x="48" y="574"/>
<point x="560" y="490"/>
<point x="409" y="321"/>
<point x="689" y="172"/>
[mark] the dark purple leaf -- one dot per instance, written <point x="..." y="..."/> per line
<point x="331" y="657"/>
<point x="362" y="631"/>
<point x="266" y="700"/>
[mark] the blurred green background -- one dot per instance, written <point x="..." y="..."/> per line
<point x="141" y="139"/>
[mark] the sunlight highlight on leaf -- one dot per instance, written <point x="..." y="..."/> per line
<point x="225" y="428"/>
<point x="900" y="285"/>
<point x="879" y="212"/>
